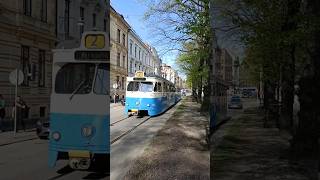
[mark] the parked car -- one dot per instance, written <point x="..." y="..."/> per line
<point x="43" y="129"/>
<point x="235" y="103"/>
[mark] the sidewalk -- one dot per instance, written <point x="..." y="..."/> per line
<point x="115" y="104"/>
<point x="8" y="137"/>
<point x="179" y="151"/>
<point x="243" y="150"/>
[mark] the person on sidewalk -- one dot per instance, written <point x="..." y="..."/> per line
<point x="21" y="111"/>
<point x="2" y="112"/>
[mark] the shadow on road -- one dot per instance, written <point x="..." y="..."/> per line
<point x="63" y="171"/>
<point x="96" y="176"/>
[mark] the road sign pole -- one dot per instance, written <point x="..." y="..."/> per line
<point x="15" y="103"/>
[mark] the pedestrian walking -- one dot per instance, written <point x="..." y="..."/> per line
<point x="117" y="97"/>
<point x="21" y="111"/>
<point x="2" y="112"/>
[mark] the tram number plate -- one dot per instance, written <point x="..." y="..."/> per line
<point x="94" y="41"/>
<point x="79" y="154"/>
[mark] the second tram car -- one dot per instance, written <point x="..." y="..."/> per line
<point x="149" y="95"/>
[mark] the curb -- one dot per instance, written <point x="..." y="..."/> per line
<point x="20" y="140"/>
<point x="23" y="140"/>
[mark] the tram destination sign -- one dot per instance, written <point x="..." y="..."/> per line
<point x="92" y="55"/>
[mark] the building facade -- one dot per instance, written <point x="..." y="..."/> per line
<point x="155" y="61"/>
<point x="27" y="35"/>
<point x="77" y="16"/>
<point x="119" y="29"/>
<point x="138" y="54"/>
<point x="170" y="74"/>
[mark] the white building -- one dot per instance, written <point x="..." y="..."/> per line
<point x="155" y="61"/>
<point x="168" y="73"/>
<point x="138" y="54"/>
<point x="76" y="16"/>
<point x="141" y="56"/>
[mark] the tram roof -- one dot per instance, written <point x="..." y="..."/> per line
<point x="152" y="76"/>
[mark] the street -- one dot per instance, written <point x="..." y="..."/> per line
<point x="28" y="160"/>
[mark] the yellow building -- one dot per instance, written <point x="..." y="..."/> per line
<point x="27" y="35"/>
<point x="118" y="53"/>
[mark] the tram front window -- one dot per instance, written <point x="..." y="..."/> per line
<point x="75" y="78"/>
<point x="101" y="84"/>
<point x="140" y="86"/>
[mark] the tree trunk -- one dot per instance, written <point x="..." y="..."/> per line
<point x="287" y="91"/>
<point x="305" y="142"/>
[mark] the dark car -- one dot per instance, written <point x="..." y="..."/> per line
<point x="43" y="130"/>
<point x="235" y="103"/>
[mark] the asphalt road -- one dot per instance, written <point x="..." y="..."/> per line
<point x="28" y="160"/>
<point x="116" y="113"/>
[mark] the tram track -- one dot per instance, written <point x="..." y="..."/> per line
<point x="129" y="131"/>
<point x="120" y="120"/>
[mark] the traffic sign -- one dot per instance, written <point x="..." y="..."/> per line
<point x="13" y="77"/>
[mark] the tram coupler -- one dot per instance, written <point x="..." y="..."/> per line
<point x="80" y="163"/>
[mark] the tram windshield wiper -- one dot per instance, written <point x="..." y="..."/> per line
<point x="77" y="89"/>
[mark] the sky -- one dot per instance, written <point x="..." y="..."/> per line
<point x="133" y="11"/>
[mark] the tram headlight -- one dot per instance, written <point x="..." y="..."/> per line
<point x="87" y="131"/>
<point x="56" y="136"/>
<point x="148" y="105"/>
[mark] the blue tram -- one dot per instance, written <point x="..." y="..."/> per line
<point x="79" y="122"/>
<point x="149" y="95"/>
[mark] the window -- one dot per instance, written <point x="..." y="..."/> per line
<point x="41" y="70"/>
<point x="81" y="30"/>
<point x="100" y="86"/>
<point x="118" y="36"/>
<point x="75" y="78"/>
<point x="159" y="88"/>
<point x="135" y="51"/>
<point x="82" y="19"/>
<point x="94" y="20"/>
<point x="105" y="25"/>
<point x="82" y="13"/>
<point x="118" y="82"/>
<point x="140" y="86"/>
<point x="131" y="70"/>
<point x="25" y="64"/>
<point x="122" y="83"/>
<point x="42" y="111"/>
<point x="124" y="61"/>
<point x="44" y="10"/>
<point x="139" y="53"/>
<point x="66" y="17"/>
<point x="27" y="7"/>
<point x="130" y="48"/>
<point x="124" y="39"/>
<point x="118" y="59"/>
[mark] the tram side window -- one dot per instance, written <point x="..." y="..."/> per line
<point x="155" y="89"/>
<point x="100" y="86"/>
<point x="75" y="78"/>
<point x="159" y="87"/>
<point x="133" y="86"/>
